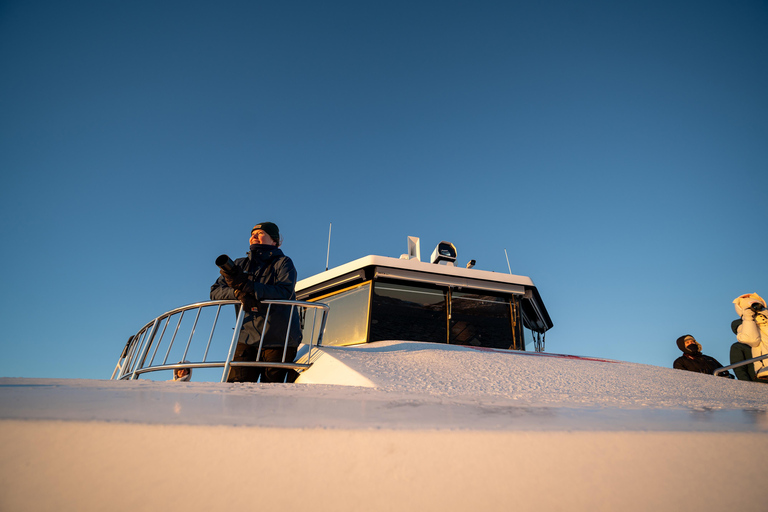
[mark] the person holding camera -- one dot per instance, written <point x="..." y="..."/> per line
<point x="753" y="331"/>
<point x="265" y="273"/>
<point x="693" y="360"/>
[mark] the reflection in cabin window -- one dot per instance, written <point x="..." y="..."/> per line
<point x="402" y="312"/>
<point x="481" y="321"/>
<point x="348" y="318"/>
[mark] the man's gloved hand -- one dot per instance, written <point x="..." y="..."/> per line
<point x="235" y="281"/>
<point x="248" y="301"/>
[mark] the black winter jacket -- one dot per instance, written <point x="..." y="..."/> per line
<point x="271" y="275"/>
<point x="699" y="363"/>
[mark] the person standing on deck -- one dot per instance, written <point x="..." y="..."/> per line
<point x="753" y="330"/>
<point x="265" y="273"/>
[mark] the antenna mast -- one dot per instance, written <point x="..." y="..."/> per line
<point x="507" y="256"/>
<point x="328" y="255"/>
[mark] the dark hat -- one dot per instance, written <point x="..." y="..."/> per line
<point x="269" y="228"/>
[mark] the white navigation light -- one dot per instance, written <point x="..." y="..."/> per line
<point x="444" y="254"/>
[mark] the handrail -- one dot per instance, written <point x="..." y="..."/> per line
<point x="132" y="362"/>
<point x="740" y="363"/>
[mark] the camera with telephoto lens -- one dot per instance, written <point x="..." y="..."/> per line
<point x="234" y="271"/>
<point x="227" y="265"/>
<point x="756" y="307"/>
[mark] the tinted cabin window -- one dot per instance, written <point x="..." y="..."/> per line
<point x="348" y="319"/>
<point x="420" y="313"/>
<point x="403" y="312"/>
<point x="481" y="320"/>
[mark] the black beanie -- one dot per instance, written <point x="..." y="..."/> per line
<point x="269" y="228"/>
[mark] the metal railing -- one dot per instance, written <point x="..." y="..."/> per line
<point x="142" y="349"/>
<point x="740" y="363"/>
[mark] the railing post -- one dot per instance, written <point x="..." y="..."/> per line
<point x="133" y="352"/>
<point x="173" y="338"/>
<point x="191" y="334"/>
<point x="147" y="344"/>
<point x="233" y="344"/>
<point x="263" y="332"/>
<point x="210" y="336"/>
<point x="160" y="341"/>
<point x="326" y="310"/>
<point x="121" y="359"/>
<point x="288" y="332"/>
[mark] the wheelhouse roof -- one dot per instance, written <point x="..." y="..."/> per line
<point x="419" y="271"/>
<point x="416" y="266"/>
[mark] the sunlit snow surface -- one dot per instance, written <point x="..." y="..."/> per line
<point x="418" y="385"/>
<point x="390" y="426"/>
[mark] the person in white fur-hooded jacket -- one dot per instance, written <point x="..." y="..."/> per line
<point x="753" y="330"/>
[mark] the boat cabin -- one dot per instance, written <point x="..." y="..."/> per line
<point x="377" y="298"/>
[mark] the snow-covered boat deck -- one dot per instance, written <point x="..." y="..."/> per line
<point x="389" y="426"/>
<point x="417" y="385"/>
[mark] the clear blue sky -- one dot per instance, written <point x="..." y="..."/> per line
<point x="617" y="150"/>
